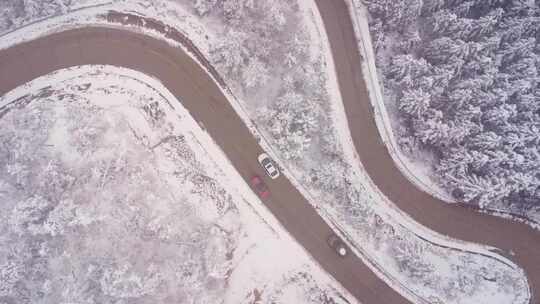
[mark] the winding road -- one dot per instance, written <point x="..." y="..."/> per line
<point x="452" y="220"/>
<point x="202" y="96"/>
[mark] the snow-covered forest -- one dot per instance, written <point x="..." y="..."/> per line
<point x="464" y="75"/>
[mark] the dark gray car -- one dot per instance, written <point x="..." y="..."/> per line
<point x="338" y="245"/>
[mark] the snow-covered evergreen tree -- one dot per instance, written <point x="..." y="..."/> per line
<point x="468" y="90"/>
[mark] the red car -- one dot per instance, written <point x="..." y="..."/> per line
<point x="259" y="186"/>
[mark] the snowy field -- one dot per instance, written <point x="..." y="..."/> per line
<point x="275" y="59"/>
<point x="112" y="194"/>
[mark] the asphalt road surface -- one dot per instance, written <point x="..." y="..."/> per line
<point x="187" y="80"/>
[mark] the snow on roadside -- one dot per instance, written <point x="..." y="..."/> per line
<point x="92" y="12"/>
<point x="252" y="259"/>
<point x="368" y="221"/>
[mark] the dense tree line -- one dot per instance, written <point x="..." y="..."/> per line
<point x="464" y="75"/>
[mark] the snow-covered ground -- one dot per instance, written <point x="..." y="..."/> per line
<point x="113" y="194"/>
<point x="298" y="112"/>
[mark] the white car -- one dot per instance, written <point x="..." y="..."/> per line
<point x="268" y="164"/>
